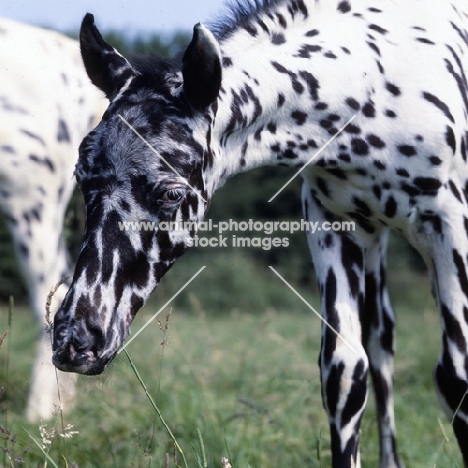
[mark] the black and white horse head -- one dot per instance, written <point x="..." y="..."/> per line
<point x="144" y="161"/>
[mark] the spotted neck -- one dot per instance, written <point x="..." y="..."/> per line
<point x="271" y="107"/>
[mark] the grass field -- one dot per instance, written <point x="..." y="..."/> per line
<point x="246" y="380"/>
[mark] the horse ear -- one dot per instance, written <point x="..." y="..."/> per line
<point x="201" y="68"/>
<point x="106" y="68"/>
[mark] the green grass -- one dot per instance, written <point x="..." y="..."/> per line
<point x="246" y="379"/>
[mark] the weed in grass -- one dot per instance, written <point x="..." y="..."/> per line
<point x="49" y="324"/>
<point x="165" y="340"/>
<point x="49" y="327"/>
<point x="46" y="435"/>
<point x="445" y="444"/>
<point x="200" y="455"/>
<point x="9" y="447"/>
<point x="2" y="337"/>
<point x="9" y="438"/>
<point x="155" y="407"/>
<point x="8" y="353"/>
<point x="163" y="328"/>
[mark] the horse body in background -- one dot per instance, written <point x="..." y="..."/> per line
<point x="47" y="105"/>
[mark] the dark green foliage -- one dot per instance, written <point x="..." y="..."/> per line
<point x="147" y="45"/>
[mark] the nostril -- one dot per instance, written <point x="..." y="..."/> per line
<point x="80" y="359"/>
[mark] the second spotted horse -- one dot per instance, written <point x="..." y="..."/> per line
<point x="47" y="105"/>
<point x="277" y="80"/>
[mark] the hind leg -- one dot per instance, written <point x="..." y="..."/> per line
<point x="444" y="244"/>
<point x="451" y="374"/>
<point x="378" y="323"/>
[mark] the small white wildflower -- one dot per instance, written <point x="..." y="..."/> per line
<point x="67" y="432"/>
<point x="225" y="463"/>
<point x="46" y="436"/>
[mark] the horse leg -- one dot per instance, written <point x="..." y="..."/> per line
<point x="443" y="242"/>
<point x="378" y="322"/>
<point x="339" y="265"/>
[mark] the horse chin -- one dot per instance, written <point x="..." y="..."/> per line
<point x="83" y="370"/>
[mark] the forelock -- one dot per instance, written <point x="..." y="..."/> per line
<point x="156" y="72"/>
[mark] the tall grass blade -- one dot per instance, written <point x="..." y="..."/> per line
<point x="46" y="455"/>
<point x="202" y="448"/>
<point x="227" y="449"/>
<point x="153" y="404"/>
<point x="458" y="407"/>
<point x="198" y="458"/>
<point x="11" y="305"/>
<point x="319" y="449"/>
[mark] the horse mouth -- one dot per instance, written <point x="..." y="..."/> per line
<point x="81" y="363"/>
<point x="83" y="370"/>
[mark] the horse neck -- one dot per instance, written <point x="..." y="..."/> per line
<point x="251" y="130"/>
<point x="264" y="110"/>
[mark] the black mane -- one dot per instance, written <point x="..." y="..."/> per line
<point x="238" y="14"/>
<point x="241" y="14"/>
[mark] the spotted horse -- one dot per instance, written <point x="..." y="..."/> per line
<point x="271" y="83"/>
<point x="47" y="105"/>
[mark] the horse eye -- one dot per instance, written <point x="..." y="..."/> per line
<point x="173" y="195"/>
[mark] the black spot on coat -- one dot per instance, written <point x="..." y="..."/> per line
<point x="393" y="89"/>
<point x="390" y="207"/>
<point x="407" y="150"/>
<point x="359" y="147"/>
<point x="344" y="7"/>
<point x="299" y="116"/>
<point x="63" y="134"/>
<point x="278" y="39"/>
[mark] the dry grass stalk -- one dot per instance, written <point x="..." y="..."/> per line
<point x="2" y="337"/>
<point x="49" y="324"/>
<point x="165" y="327"/>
